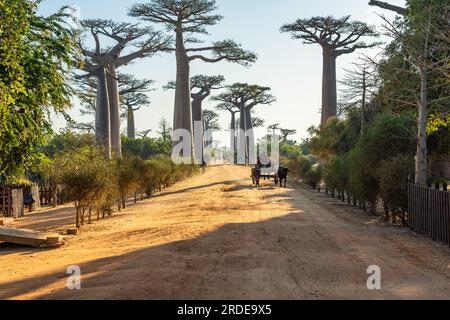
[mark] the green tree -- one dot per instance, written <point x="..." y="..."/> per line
<point x="426" y="52"/>
<point x="36" y="54"/>
<point x="394" y="176"/>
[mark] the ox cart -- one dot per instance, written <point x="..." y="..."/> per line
<point x="279" y="175"/>
<point x="266" y="173"/>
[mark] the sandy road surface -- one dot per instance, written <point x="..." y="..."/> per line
<point x="215" y="237"/>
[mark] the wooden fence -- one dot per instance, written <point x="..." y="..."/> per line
<point x="47" y="195"/>
<point x="11" y="202"/>
<point x="6" y="208"/>
<point x="429" y="212"/>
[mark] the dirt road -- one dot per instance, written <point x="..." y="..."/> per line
<point x="215" y="237"/>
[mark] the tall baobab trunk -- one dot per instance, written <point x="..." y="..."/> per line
<point x="233" y="137"/>
<point x="329" y="92"/>
<point x="197" y="117"/>
<point x="196" y="110"/>
<point x="131" y="128"/>
<point x="183" y="112"/>
<point x="421" y="156"/>
<point x="113" y="93"/>
<point x="241" y="139"/>
<point x="102" y="114"/>
<point x="250" y="139"/>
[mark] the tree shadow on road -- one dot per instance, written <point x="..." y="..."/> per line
<point x="292" y="256"/>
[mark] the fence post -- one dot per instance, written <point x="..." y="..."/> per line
<point x="35" y="193"/>
<point x="17" y="203"/>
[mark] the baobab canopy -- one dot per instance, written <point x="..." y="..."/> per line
<point x="186" y="18"/>
<point x="102" y="62"/>
<point x="336" y="36"/>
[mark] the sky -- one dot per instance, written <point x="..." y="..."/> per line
<point x="293" y="70"/>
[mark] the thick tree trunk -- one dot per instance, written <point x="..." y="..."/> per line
<point x="233" y="137"/>
<point x="197" y="117"/>
<point x="198" y="130"/>
<point x="131" y="129"/>
<point x="183" y="111"/>
<point x="329" y="93"/>
<point x="421" y="156"/>
<point x="102" y="114"/>
<point x="242" y="149"/>
<point x="250" y="140"/>
<point x="196" y="110"/>
<point x="113" y="94"/>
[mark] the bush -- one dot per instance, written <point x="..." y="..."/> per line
<point x="145" y="148"/>
<point x="160" y="172"/>
<point x="313" y="176"/>
<point x="95" y="183"/>
<point x="300" y="166"/>
<point x="88" y="179"/>
<point x="388" y="136"/>
<point x="362" y="179"/>
<point x="128" y="172"/>
<point x="393" y="182"/>
<point x="336" y="175"/>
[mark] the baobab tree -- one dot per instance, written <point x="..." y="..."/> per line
<point x="336" y="37"/>
<point x="133" y="96"/>
<point x="210" y="122"/>
<point x="233" y="110"/>
<point x="274" y="127"/>
<point x="201" y="88"/>
<point x="186" y="18"/>
<point x="245" y="97"/>
<point x="258" y="122"/>
<point x="285" y="133"/>
<point x="104" y="62"/>
<point x="133" y="102"/>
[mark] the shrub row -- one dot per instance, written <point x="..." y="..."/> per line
<point x="95" y="183"/>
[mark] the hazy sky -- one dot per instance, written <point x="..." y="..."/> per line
<point x="291" y="69"/>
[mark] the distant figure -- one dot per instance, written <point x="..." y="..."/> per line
<point x="28" y="199"/>
<point x="258" y="163"/>
<point x="264" y="161"/>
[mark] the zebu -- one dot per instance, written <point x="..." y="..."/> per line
<point x="282" y="176"/>
<point x="256" y="175"/>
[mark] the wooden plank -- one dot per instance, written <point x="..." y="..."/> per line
<point x="28" y="237"/>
